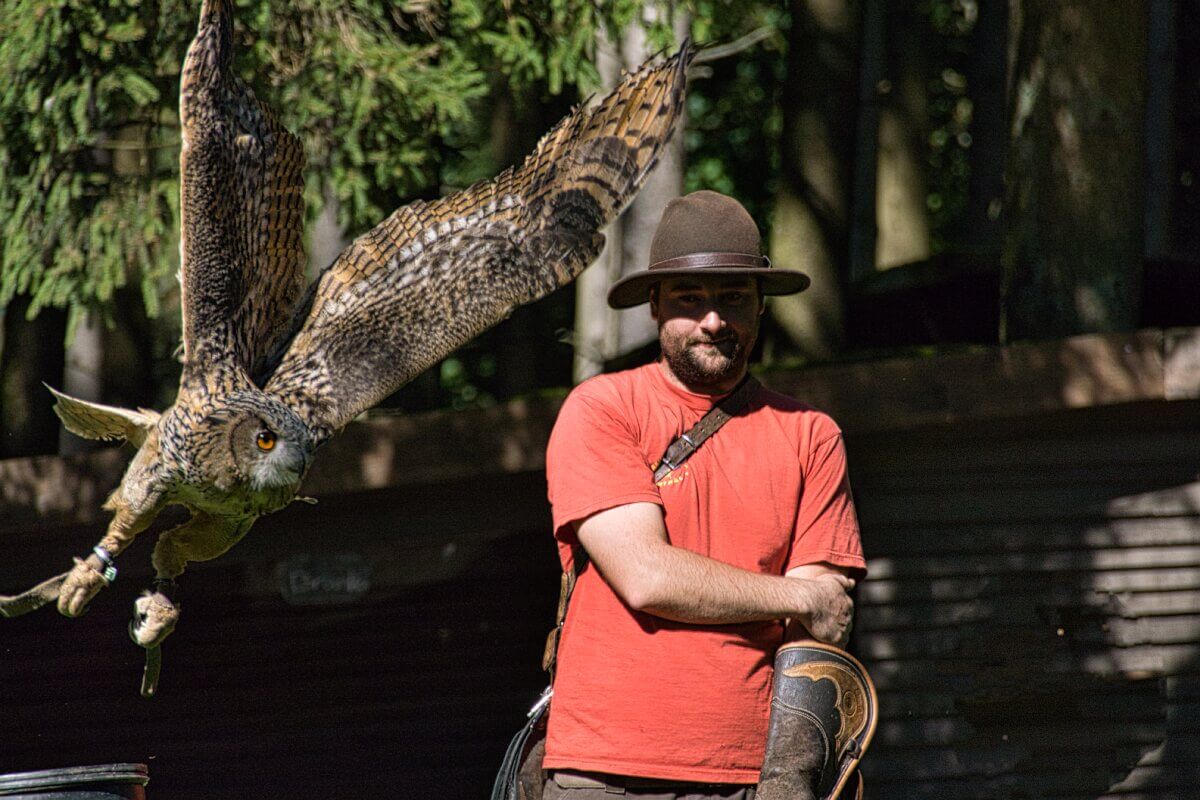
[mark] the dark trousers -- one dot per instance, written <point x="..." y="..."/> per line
<point x="565" y="785"/>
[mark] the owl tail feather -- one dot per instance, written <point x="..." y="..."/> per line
<point x="152" y="671"/>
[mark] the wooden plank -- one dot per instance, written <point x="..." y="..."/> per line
<point x="388" y="451"/>
<point x="1083" y="504"/>
<point x="49" y="491"/>
<point x="1110" y="637"/>
<point x="896" y="618"/>
<point x="1031" y="537"/>
<point x="1017" y="380"/>
<point x="1106" y="707"/>
<point x="992" y="788"/>
<point x="1095" y="560"/>
<point x="1008" y="475"/>
<point x="1182" y="364"/>
<point x="993" y="448"/>
<point x="960" y="753"/>
<point x="1157" y="660"/>
<point x="1064" y="587"/>
<point x="1160" y="784"/>
<point x="958" y="675"/>
<point x="977" y="766"/>
<point x="884" y="616"/>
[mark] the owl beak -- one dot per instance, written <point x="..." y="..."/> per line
<point x="297" y="461"/>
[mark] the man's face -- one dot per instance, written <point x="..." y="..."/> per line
<point x="706" y="328"/>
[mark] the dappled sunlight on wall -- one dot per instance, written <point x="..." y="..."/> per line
<point x="1032" y="616"/>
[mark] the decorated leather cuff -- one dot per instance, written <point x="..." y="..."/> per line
<point x="823" y="715"/>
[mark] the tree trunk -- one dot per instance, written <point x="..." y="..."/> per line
<point x="635" y="328"/>
<point x="1073" y="223"/>
<point x="810" y="224"/>
<point x="595" y="324"/>
<point x="902" y="218"/>
<point x="986" y="74"/>
<point x="602" y="333"/>
<point x="33" y="353"/>
<point x="328" y="239"/>
<point x="83" y="374"/>
<point x="516" y="362"/>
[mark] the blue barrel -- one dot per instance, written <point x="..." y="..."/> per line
<point x="101" y="782"/>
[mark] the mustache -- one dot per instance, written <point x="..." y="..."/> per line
<point x="718" y="340"/>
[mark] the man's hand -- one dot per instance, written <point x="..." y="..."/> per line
<point x="830" y="610"/>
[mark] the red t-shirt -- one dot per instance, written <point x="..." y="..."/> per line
<point x="637" y="694"/>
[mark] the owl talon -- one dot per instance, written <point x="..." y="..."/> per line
<point x="82" y="583"/>
<point x="154" y="617"/>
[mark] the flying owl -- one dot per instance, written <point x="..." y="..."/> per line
<point x="271" y="371"/>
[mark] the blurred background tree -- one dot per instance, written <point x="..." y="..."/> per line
<point x="1075" y="201"/>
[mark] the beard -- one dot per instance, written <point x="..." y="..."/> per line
<point x="698" y="366"/>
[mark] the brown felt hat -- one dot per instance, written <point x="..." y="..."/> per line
<point x="705" y="233"/>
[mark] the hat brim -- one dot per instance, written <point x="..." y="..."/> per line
<point x="633" y="290"/>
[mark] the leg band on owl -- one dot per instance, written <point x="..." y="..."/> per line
<point x="823" y="715"/>
<point x="109" y="567"/>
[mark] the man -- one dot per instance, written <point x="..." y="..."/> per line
<point x="664" y="674"/>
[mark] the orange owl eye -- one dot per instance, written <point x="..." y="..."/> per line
<point x="265" y="440"/>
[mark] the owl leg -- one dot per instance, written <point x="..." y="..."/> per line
<point x="133" y="511"/>
<point x="134" y="507"/>
<point x="201" y="538"/>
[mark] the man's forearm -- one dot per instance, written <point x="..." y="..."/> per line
<point x="687" y="587"/>
<point x="629" y="545"/>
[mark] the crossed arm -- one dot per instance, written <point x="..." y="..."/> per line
<point x="629" y="545"/>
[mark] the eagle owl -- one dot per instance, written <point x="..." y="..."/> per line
<point x="271" y="371"/>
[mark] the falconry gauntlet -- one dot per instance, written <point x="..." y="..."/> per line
<point x="823" y="715"/>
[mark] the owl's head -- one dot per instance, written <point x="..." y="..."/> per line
<point x="269" y="445"/>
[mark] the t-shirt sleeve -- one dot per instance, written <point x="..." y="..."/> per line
<point x="826" y="524"/>
<point x="593" y="463"/>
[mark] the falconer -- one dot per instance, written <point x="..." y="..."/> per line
<point x="688" y="585"/>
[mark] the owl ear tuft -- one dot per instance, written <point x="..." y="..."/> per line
<point x="96" y="421"/>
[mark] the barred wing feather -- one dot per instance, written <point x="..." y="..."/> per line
<point x="434" y="275"/>
<point x="242" y="208"/>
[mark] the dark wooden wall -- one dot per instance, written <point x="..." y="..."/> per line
<point x="410" y="691"/>
<point x="1032" y="619"/>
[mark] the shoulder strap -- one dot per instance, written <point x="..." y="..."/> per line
<point x="677" y="452"/>
<point x="682" y="448"/>
<point x="566" y="586"/>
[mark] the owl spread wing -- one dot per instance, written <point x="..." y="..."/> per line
<point x="241" y="205"/>
<point x="96" y="421"/>
<point x="434" y="275"/>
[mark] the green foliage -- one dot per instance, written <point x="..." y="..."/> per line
<point x="386" y="97"/>
<point x="947" y="26"/>
<point x="88" y="193"/>
<point x="734" y="118"/>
